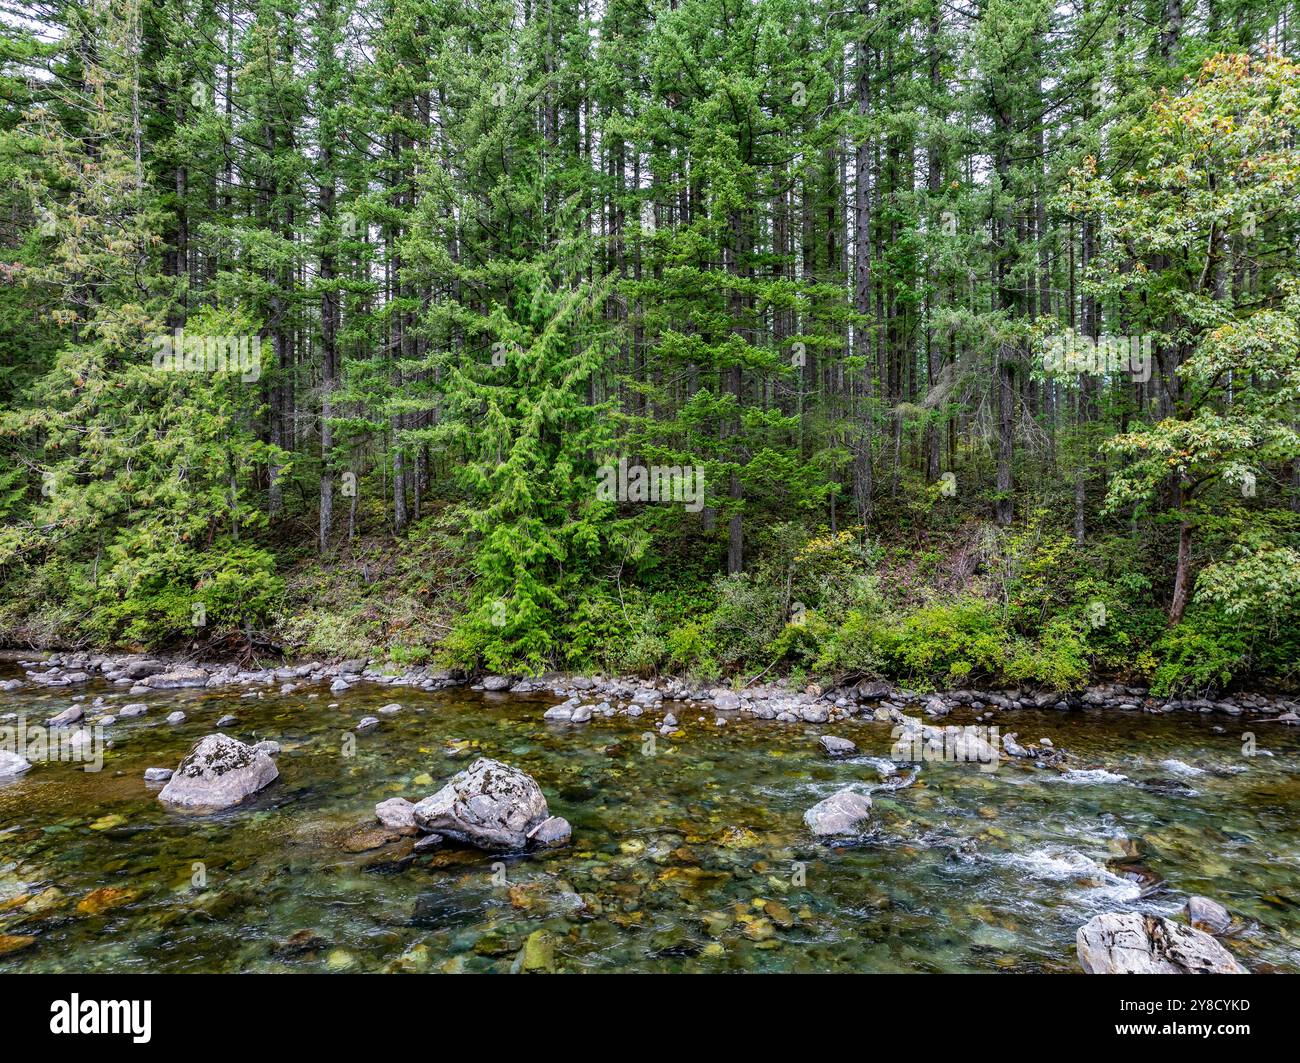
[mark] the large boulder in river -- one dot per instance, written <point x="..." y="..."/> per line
<point x="1133" y="943"/>
<point x="489" y="805"/>
<point x="841" y="815"/>
<point x="219" y="771"/>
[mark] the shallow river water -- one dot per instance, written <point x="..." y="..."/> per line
<point x="688" y="856"/>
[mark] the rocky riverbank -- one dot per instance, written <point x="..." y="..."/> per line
<point x="588" y="696"/>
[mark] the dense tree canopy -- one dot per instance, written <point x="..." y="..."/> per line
<point x="977" y="322"/>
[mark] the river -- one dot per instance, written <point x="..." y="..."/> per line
<point x="689" y="854"/>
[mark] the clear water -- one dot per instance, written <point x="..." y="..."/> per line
<point x="691" y="859"/>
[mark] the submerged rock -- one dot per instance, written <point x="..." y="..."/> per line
<point x="219" y="771"/>
<point x="67" y="717"/>
<point x="538" y="953"/>
<point x="363" y="841"/>
<point x="107" y="898"/>
<point x="1132" y="943"/>
<point x="428" y="843"/>
<point x="840" y="815"/>
<point x="1205" y="914"/>
<point x="14" y="942"/>
<point x="489" y="805"/>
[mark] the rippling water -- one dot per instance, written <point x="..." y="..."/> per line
<point x="692" y="856"/>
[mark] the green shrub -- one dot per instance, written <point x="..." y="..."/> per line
<point x="1057" y="659"/>
<point x="158" y="597"/>
<point x="745" y="621"/>
<point x="1200" y="655"/>
<point x="950" y="645"/>
<point x="690" y="650"/>
<point x="857" y="648"/>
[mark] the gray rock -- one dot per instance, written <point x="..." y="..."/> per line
<point x="271" y="749"/>
<point x="227" y="721"/>
<point x="552" y="833"/>
<point x="429" y="842"/>
<point x="581" y="714"/>
<point x="218" y="772"/>
<point x="366" y="724"/>
<point x="67" y="717"/>
<point x="176" y="717"/>
<point x="1013" y="748"/>
<point x="177" y="678"/>
<point x="142" y="669"/>
<point x="137" y="708"/>
<point x="936" y="708"/>
<point x="870" y="690"/>
<point x="496" y="682"/>
<point x="840" y="815"/>
<point x="12" y="764"/>
<point x="10" y="684"/>
<point x="837" y="747"/>
<point x="726" y="701"/>
<point x="558" y="714"/>
<point x="1132" y="943"/>
<point x="157" y="774"/>
<point x="814" y="713"/>
<point x="396" y="812"/>
<point x="489" y="805"/>
<point x="391" y="709"/>
<point x="1206" y="914"/>
<point x="339" y="685"/>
